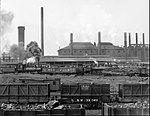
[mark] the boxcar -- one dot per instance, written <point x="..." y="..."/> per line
<point x="24" y="93"/>
<point x="88" y="94"/>
<point x="134" y="92"/>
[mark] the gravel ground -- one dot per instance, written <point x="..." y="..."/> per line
<point x="9" y="78"/>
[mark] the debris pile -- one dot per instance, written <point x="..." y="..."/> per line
<point x="30" y="107"/>
<point x="138" y="104"/>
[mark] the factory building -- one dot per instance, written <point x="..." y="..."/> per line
<point x="87" y="48"/>
<point x="133" y="51"/>
<point x="138" y="50"/>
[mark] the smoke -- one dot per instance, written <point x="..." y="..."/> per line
<point x="5" y="24"/>
<point x="17" y="52"/>
<point x="5" y="21"/>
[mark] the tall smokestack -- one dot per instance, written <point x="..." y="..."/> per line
<point x="71" y="43"/>
<point x="136" y="36"/>
<point x="129" y="39"/>
<point x="99" y="43"/>
<point x="125" y="44"/>
<point x="21" y="36"/>
<point x="136" y="47"/>
<point x="42" y="30"/>
<point x="143" y="58"/>
<point x="129" y="48"/>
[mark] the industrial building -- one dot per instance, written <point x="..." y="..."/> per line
<point x="133" y="51"/>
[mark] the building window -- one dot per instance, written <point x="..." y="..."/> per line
<point x="118" y="51"/>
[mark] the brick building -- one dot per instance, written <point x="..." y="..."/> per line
<point x="140" y="51"/>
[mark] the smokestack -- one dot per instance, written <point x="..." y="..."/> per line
<point x="71" y="43"/>
<point x="136" y="49"/>
<point x="125" y="44"/>
<point x="129" y="39"/>
<point x="99" y="43"/>
<point x="143" y="47"/>
<point x="42" y="30"/>
<point x="136" y="35"/>
<point x="129" y="48"/>
<point x="21" y="36"/>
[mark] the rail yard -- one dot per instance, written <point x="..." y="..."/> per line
<point x="99" y="93"/>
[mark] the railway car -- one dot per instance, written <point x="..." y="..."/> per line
<point x="91" y="95"/>
<point x="8" y="67"/>
<point x="54" y="82"/>
<point x="134" y="92"/>
<point x="68" y="70"/>
<point x="25" y="93"/>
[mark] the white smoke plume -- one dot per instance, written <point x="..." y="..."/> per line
<point x="5" y="21"/>
<point x="5" y="24"/>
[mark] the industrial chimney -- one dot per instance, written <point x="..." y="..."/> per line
<point x="136" y="35"/>
<point x="42" y="31"/>
<point x="129" y="39"/>
<point x="125" y="44"/>
<point x="99" y="43"/>
<point x="129" y="48"/>
<point x="136" y="47"/>
<point x="144" y="55"/>
<point x="71" y="43"/>
<point x="21" y="36"/>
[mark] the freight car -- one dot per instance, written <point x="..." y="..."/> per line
<point x="91" y="95"/>
<point x="54" y="82"/>
<point x="9" y="67"/>
<point x="134" y="92"/>
<point x="16" y="67"/>
<point x="25" y="93"/>
<point x="56" y="69"/>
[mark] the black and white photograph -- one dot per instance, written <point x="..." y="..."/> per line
<point x="74" y="58"/>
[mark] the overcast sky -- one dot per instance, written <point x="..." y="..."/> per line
<point x="83" y="18"/>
